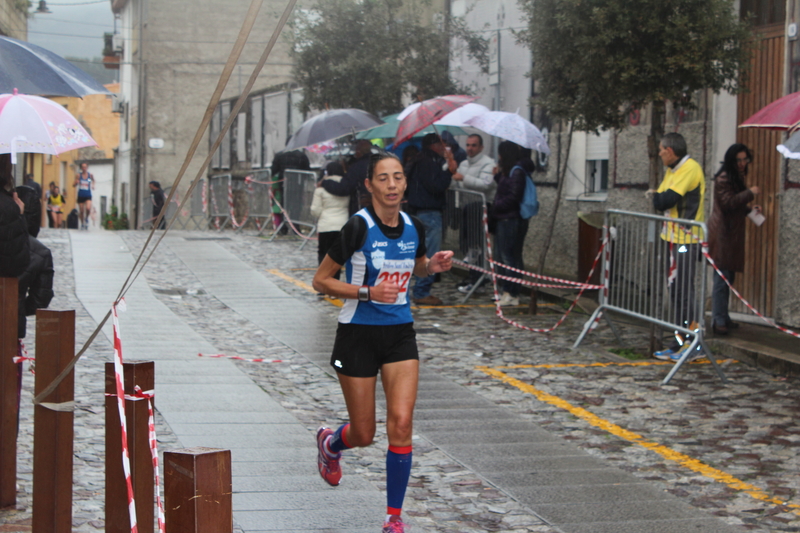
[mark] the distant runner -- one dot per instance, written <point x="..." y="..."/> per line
<point x="84" y="181"/>
<point x="382" y="248"/>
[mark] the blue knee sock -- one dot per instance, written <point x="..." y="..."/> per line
<point x="398" y="470"/>
<point x="337" y="441"/>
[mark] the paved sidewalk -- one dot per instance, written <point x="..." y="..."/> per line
<point x="487" y="456"/>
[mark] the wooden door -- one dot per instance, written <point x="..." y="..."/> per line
<point x="757" y="282"/>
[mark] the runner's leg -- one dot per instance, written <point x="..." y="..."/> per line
<point x="400" y="381"/>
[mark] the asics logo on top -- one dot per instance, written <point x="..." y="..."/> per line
<point x="377" y="244"/>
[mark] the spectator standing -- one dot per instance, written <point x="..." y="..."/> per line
<point x="14" y="247"/>
<point x="159" y="198"/>
<point x="84" y="181"/>
<point x="352" y="184"/>
<point x="55" y="206"/>
<point x="475" y="173"/>
<point x="681" y="194"/>
<point x="726" y="229"/>
<point x="459" y="154"/>
<point x="30" y="182"/>
<point x="511" y="228"/>
<point x="293" y="160"/>
<point x="429" y="177"/>
<point x="331" y="211"/>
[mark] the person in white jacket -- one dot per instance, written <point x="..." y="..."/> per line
<point x="330" y="211"/>
<point x="475" y="173"/>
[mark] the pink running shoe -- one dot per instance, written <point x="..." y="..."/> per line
<point x="395" y="525"/>
<point x="329" y="467"/>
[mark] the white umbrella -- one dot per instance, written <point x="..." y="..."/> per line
<point x="460" y="116"/>
<point x="511" y="127"/>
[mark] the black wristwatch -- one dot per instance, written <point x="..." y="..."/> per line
<point x="363" y="294"/>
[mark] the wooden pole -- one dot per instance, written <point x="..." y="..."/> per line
<point x="9" y="410"/>
<point x="53" y="429"/>
<point x="197" y="491"/>
<point x="141" y="373"/>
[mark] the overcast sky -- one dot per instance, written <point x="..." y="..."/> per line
<point x="74" y="28"/>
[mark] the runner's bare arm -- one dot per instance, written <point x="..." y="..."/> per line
<point x="324" y="282"/>
<point x="440" y="262"/>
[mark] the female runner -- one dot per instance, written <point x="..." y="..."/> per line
<point x="381" y="247"/>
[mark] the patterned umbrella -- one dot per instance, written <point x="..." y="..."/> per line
<point x="31" y="124"/>
<point x="511" y="127"/>
<point x="330" y="125"/>
<point x="426" y="113"/>
<point x="782" y="114"/>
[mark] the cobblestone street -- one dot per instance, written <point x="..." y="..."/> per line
<point x="728" y="450"/>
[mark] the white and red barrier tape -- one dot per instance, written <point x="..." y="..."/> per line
<point x="214" y="204"/>
<point x="126" y="462"/>
<point x="25" y="357"/>
<point x="562" y="283"/>
<point x="231" y="209"/>
<point x="204" y="199"/>
<point x="238" y="358"/>
<point x="288" y="220"/>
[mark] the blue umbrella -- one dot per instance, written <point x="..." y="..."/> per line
<point x="34" y="70"/>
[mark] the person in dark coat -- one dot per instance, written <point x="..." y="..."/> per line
<point x="511" y="228"/>
<point x="158" y="196"/>
<point x="35" y="284"/>
<point x="428" y="177"/>
<point x="14" y="248"/>
<point x="352" y="183"/>
<point x="292" y="160"/>
<point x="726" y="228"/>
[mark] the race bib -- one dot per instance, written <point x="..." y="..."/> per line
<point x="398" y="271"/>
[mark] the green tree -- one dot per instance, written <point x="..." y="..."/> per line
<point x="596" y="60"/>
<point x="369" y="54"/>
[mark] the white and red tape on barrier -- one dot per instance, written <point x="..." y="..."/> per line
<point x="137" y="396"/>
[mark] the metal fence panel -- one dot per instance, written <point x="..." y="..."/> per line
<point x="298" y="192"/>
<point x="464" y="230"/>
<point x="654" y="271"/>
<point x="218" y="200"/>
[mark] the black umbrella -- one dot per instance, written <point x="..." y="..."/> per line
<point x="331" y="125"/>
<point x="34" y="70"/>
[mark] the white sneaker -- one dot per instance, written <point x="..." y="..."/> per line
<point x="507" y="299"/>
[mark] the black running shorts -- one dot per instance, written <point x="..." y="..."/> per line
<point x="360" y="350"/>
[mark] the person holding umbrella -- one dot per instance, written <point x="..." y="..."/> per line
<point x="381" y="247"/>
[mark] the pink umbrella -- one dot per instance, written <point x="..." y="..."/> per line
<point x="426" y="113"/>
<point x="782" y="114"/>
<point x="31" y="124"/>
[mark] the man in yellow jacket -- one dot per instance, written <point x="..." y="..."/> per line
<point x="681" y="195"/>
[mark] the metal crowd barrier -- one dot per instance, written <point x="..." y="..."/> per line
<point x="259" y="199"/>
<point x="653" y="270"/>
<point x="464" y="230"/>
<point x="218" y="200"/>
<point x="298" y="192"/>
<point x="198" y="209"/>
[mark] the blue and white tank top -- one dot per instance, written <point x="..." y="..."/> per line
<point x="382" y="259"/>
<point x="84" y="184"/>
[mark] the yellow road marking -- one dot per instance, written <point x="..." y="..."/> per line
<point x="667" y="453"/>
<point x="303" y="285"/>
<point x="589" y="365"/>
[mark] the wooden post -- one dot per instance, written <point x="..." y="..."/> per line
<point x="8" y="392"/>
<point x="141" y="373"/>
<point x="53" y="430"/>
<point x="197" y="491"/>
